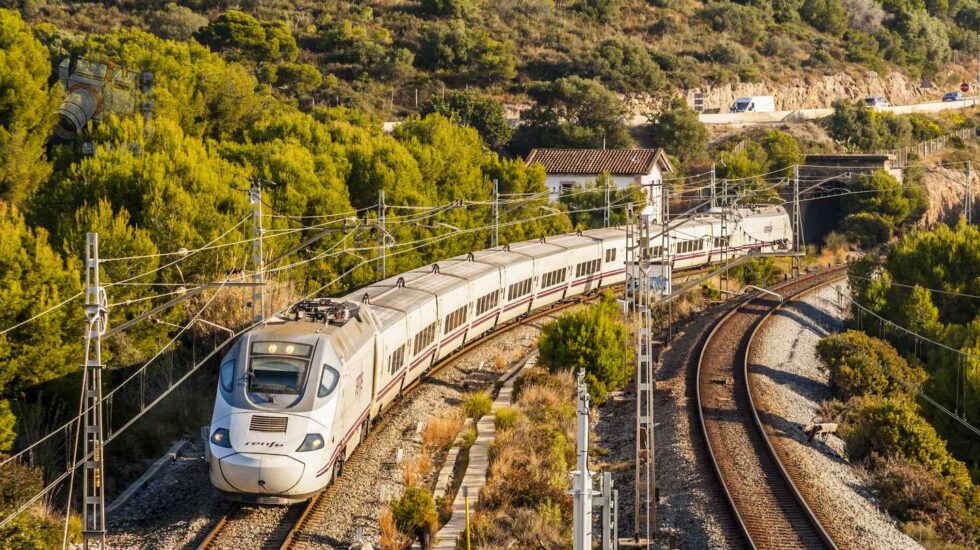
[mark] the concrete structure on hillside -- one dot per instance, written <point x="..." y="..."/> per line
<point x="845" y="167"/>
<point x="570" y="168"/>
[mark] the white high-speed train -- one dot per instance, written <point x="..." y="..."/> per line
<point x="299" y="393"/>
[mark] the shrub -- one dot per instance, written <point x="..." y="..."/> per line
<point x="913" y="493"/>
<point x="477" y="404"/>
<point x="442" y="429"/>
<point x="741" y="21"/>
<point x="415" y="514"/>
<point x="506" y="417"/>
<point x="175" y="22"/>
<point x="592" y="340"/>
<point x="860" y="365"/>
<point x="625" y="64"/>
<point x="417" y="468"/>
<point x="888" y="426"/>
<point x="759" y="272"/>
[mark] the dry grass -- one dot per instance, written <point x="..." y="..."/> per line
<point x="441" y="430"/>
<point x="417" y="468"/>
<point x="500" y="362"/>
<point x="391" y="537"/>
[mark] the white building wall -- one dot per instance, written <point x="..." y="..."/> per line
<point x="556" y="182"/>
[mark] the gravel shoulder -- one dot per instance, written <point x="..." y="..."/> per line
<point x="792" y="383"/>
<point x="691" y="510"/>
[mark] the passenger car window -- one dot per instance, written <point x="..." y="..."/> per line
<point x="328" y="381"/>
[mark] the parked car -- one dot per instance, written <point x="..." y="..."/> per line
<point x="754" y="104"/>
<point x="873" y="102"/>
<point x="953" y="96"/>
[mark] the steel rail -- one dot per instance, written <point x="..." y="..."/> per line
<point x="755" y="410"/>
<point x="813" y="535"/>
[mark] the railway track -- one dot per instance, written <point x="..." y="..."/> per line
<point x="291" y="532"/>
<point x="771" y="511"/>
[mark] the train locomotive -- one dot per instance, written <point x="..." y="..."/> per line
<point x="297" y="394"/>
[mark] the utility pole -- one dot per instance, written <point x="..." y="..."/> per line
<point x="258" y="298"/>
<point x="605" y="211"/>
<point x="496" y="214"/>
<point x="969" y="192"/>
<point x="725" y="239"/>
<point x="645" y="485"/>
<point x="382" y="237"/>
<point x="666" y="271"/>
<point x="582" y="518"/>
<point x="96" y="317"/>
<point x="714" y="194"/>
<point x="797" y="221"/>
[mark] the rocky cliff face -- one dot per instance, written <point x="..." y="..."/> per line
<point x="804" y="92"/>
<point x="946" y="194"/>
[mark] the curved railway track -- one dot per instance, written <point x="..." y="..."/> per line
<point x="771" y="511"/>
<point x="291" y="531"/>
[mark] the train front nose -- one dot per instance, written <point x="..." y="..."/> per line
<point x="261" y="473"/>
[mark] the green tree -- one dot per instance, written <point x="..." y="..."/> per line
<point x="679" y="132"/>
<point x="782" y="150"/>
<point x="865" y="129"/>
<point x="485" y="114"/>
<point x="26" y="108"/>
<point x="825" y="15"/>
<point x="625" y="64"/>
<point x="451" y="8"/>
<point x="573" y="112"/>
<point x="866" y="229"/>
<point x="33" y="279"/>
<point x="883" y="195"/>
<point x="299" y="78"/>
<point x="243" y="37"/>
<point x="590" y="340"/>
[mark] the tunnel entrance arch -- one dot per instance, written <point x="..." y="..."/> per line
<point x="824" y="184"/>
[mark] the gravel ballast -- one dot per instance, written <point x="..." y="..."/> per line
<point x="791" y="382"/>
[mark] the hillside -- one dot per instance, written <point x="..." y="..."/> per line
<point x="389" y="57"/>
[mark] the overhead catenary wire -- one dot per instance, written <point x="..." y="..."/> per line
<point x="936" y="290"/>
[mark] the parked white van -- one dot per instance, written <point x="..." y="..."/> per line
<point x="754" y="104"/>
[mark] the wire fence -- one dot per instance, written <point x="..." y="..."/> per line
<point x="926" y="148"/>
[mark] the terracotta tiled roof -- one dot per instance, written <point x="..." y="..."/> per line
<point x="624" y="162"/>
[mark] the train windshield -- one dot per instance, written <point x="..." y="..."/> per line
<point x="278" y="367"/>
<point x="282" y="375"/>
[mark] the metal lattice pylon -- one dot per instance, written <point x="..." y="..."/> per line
<point x="638" y="300"/>
<point x="93" y="487"/>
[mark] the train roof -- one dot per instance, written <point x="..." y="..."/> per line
<point x="498" y="256"/>
<point x="466" y="267"/>
<point x="535" y="249"/>
<point x="606" y="233"/>
<point x="572" y="240"/>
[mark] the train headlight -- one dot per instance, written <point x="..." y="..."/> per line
<point x="221" y="438"/>
<point x="313" y="442"/>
